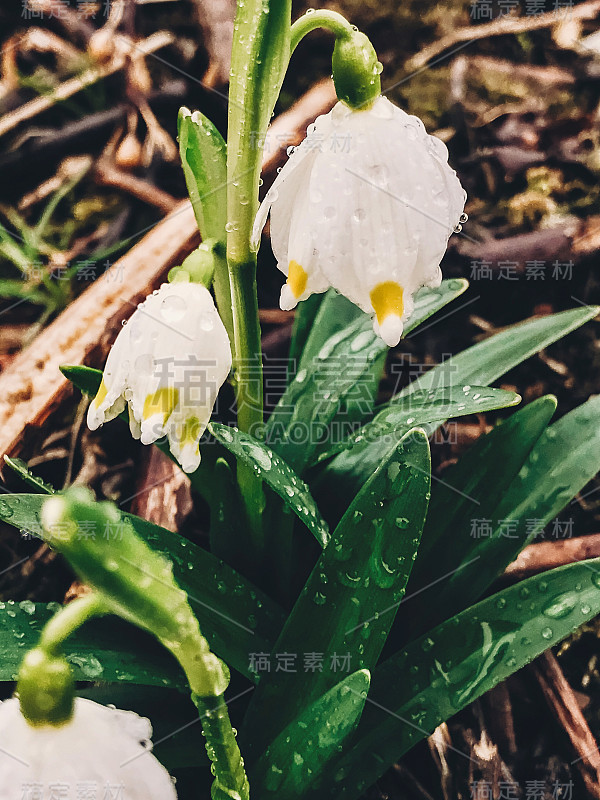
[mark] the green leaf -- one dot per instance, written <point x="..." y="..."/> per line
<point x="276" y="473"/>
<point x="469" y="490"/>
<point x="481" y="365"/>
<point x="289" y="767"/>
<point x="427" y="406"/>
<point x="335" y="313"/>
<point x="486" y="361"/>
<point x="22" y="470"/>
<point x="204" y="158"/>
<point x="86" y="379"/>
<point x="235" y="617"/>
<point x="303" y="327"/>
<point x="565" y="458"/>
<point x="330" y="373"/>
<point x="349" y="602"/>
<point x="107" y="649"/>
<point x="456" y="663"/>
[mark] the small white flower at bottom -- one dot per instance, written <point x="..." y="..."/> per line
<point x="365" y="205"/>
<point x="167" y="364"/>
<point x="99" y="748"/>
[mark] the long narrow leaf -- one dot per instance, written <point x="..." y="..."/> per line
<point x="292" y="763"/>
<point x="457" y="662"/>
<point x="347" y="606"/>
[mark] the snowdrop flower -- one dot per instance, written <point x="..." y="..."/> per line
<point x="167" y="364"/>
<point x="99" y="746"/>
<point x="365" y="204"/>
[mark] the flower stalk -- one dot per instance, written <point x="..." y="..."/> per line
<point x="136" y="583"/>
<point x="260" y="56"/>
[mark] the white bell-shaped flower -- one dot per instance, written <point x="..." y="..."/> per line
<point x="167" y="364"/>
<point x="99" y="752"/>
<point x="365" y="204"/>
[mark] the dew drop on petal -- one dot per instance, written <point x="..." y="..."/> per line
<point x="173" y="308"/>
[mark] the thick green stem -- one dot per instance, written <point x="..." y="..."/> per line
<point x="222" y="748"/>
<point x="66" y="621"/>
<point x="330" y="20"/>
<point x="259" y="59"/>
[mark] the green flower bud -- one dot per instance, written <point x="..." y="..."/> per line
<point x="46" y="688"/>
<point x="199" y="266"/>
<point x="356" y="71"/>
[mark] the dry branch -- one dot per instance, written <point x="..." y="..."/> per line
<point x="562" y="702"/>
<point x="502" y="27"/>
<point x="536" y="558"/>
<point x="67" y="89"/>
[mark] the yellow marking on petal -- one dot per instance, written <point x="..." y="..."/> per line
<point x="102" y="392"/>
<point x="386" y="299"/>
<point x="163" y="401"/>
<point x="190" y="431"/>
<point x="297" y="279"/>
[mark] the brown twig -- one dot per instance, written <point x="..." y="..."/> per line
<point x="502" y="27"/>
<point x="107" y="174"/>
<point x="70" y="87"/>
<point x="562" y="702"/>
<point x="542" y="556"/>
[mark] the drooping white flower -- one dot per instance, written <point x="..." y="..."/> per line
<point x="101" y="749"/>
<point x="365" y="204"/>
<point x="167" y="364"/>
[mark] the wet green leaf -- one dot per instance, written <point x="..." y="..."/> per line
<point x="427" y="406"/>
<point x="22" y="470"/>
<point x="276" y="473"/>
<point x="290" y="766"/>
<point x="204" y="158"/>
<point x="455" y="663"/>
<point x="481" y="365"/>
<point x="348" y="604"/>
<point x="329" y="373"/>
<point x="469" y="491"/>
<point x="107" y="650"/>
<point x="235" y="617"/>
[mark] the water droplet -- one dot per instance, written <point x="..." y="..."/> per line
<point x="561" y="606"/>
<point x="173" y="308"/>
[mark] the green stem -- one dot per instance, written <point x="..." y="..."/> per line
<point x="330" y="20"/>
<point x="222" y="748"/>
<point x="249" y="387"/>
<point x="259" y="59"/>
<point x="66" y="621"/>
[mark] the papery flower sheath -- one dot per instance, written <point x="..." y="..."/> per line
<point x="365" y="204"/>
<point x="167" y="365"/>
<point x="99" y="748"/>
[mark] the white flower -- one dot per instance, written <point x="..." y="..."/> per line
<point x="365" y="204"/>
<point x="99" y="746"/>
<point x="167" y="364"/>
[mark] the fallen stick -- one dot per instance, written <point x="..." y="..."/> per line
<point x="542" y="556"/>
<point x="502" y="27"/>
<point x="67" y="89"/>
<point x="562" y="702"/>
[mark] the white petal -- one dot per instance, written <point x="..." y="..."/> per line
<point x="99" y="746"/>
<point x="178" y="357"/>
